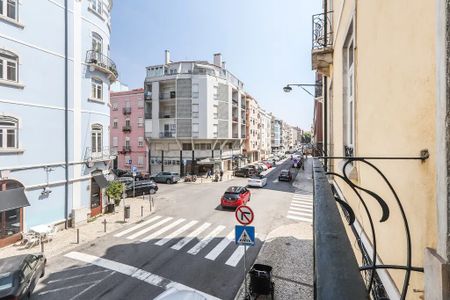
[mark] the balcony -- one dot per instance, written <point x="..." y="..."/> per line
<point x="102" y="63"/>
<point x="98" y="155"/>
<point x="322" y="43"/>
<point x="167" y="95"/>
<point x="126" y="128"/>
<point x="126" y="149"/>
<point x="166" y="134"/>
<point x="235" y="102"/>
<point x="126" y="110"/>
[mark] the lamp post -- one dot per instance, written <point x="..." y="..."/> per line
<point x="288" y="89"/>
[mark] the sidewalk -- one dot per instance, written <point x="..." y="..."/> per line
<point x="228" y="175"/>
<point x="65" y="240"/>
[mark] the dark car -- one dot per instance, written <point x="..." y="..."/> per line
<point x="166" y="177"/>
<point x="20" y="274"/>
<point x="142" y="187"/>
<point x="258" y="169"/>
<point x="244" y="172"/>
<point x="235" y="196"/>
<point x="127" y="173"/>
<point x="285" y="175"/>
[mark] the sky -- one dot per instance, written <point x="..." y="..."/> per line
<point x="265" y="43"/>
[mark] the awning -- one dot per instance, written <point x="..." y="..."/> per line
<point x="12" y="199"/>
<point x="101" y="181"/>
<point x="208" y="161"/>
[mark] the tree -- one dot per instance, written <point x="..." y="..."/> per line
<point x="114" y="191"/>
<point x="306" y="138"/>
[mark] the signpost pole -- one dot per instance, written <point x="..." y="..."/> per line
<point x="245" y="272"/>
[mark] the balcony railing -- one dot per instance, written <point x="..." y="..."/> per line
<point x="102" y="63"/>
<point x="126" y="110"/>
<point x="322" y="34"/>
<point x="103" y="154"/>
<point x="167" y="134"/>
<point x="126" y="149"/>
<point x="167" y="95"/>
<point x="166" y="115"/>
<point x="126" y="128"/>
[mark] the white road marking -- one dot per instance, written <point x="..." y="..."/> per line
<point x="300" y="213"/>
<point x="147" y="229"/>
<point x="190" y="237"/>
<point x="134" y="272"/>
<point x="175" y="233"/>
<point x="301" y="209"/>
<point x="137" y="226"/>
<point x="67" y="287"/>
<point x="77" y="276"/>
<point x="302" y="205"/>
<point x="162" y="230"/>
<point x="90" y="287"/>
<point x="237" y="255"/>
<point x="275" y="181"/>
<point x="302" y="202"/>
<point x="302" y="197"/>
<point x="212" y="255"/>
<point x="299" y="218"/>
<point x="205" y="241"/>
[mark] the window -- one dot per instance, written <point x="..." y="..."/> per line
<point x="97" y="6"/>
<point x="128" y="160"/>
<point x="140" y="141"/>
<point x="8" y="65"/>
<point x="8" y="8"/>
<point x="97" y="89"/>
<point x="8" y="133"/>
<point x="140" y="103"/>
<point x="140" y="122"/>
<point x="127" y="104"/>
<point x="115" y="122"/>
<point x="140" y="160"/>
<point x="115" y="141"/>
<point x="97" y="42"/>
<point x="127" y="122"/>
<point x="97" y="138"/>
<point x="195" y="90"/>
<point x="194" y="127"/>
<point x="115" y="106"/>
<point x="187" y="146"/>
<point x="127" y="141"/>
<point x="349" y="86"/>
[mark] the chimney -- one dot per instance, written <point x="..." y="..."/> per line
<point x="218" y="59"/>
<point x="167" y="57"/>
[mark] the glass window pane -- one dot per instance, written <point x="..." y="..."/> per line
<point x="11" y="138"/>
<point x="93" y="141"/>
<point x="12" y="221"/>
<point x="11" y="9"/>
<point x="1" y="7"/>
<point x="11" y="71"/>
<point x="1" y="69"/>
<point x="99" y="92"/>
<point x="1" y="138"/>
<point x="99" y="142"/>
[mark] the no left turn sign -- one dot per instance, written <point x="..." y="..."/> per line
<point x="244" y="215"/>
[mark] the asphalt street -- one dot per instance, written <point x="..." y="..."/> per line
<point x="187" y="243"/>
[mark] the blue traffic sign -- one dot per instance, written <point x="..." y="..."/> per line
<point x="134" y="169"/>
<point x="244" y="235"/>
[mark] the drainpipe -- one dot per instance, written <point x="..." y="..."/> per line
<point x="325" y="92"/>
<point x="66" y="114"/>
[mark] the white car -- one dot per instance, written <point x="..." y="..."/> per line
<point x="257" y="181"/>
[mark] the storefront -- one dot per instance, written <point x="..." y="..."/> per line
<point x="12" y="201"/>
<point x="98" y="183"/>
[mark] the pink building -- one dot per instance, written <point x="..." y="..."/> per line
<point x="127" y="129"/>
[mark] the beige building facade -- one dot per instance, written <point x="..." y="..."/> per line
<point x="386" y="83"/>
<point x="252" y="141"/>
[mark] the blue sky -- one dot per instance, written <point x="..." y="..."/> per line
<point x="265" y="43"/>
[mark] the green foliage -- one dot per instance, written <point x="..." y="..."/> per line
<point x="114" y="191"/>
<point x="306" y="137"/>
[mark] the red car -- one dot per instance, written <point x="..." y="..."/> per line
<point x="235" y="196"/>
<point x="268" y="164"/>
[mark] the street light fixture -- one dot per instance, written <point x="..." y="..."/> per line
<point x="288" y="87"/>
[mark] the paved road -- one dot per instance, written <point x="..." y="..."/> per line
<point x="188" y="242"/>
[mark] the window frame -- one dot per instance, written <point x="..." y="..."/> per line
<point x="97" y="40"/>
<point x="96" y="137"/>
<point x="7" y="57"/>
<point x="5" y="132"/>
<point x="96" y="83"/>
<point x="349" y="91"/>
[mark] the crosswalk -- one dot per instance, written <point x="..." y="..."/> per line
<point x="301" y="208"/>
<point x="178" y="234"/>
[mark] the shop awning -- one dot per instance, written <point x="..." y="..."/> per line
<point x="208" y="161"/>
<point x="101" y="180"/>
<point x="12" y="199"/>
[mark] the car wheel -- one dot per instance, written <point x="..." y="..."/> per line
<point x="152" y="191"/>
<point x="168" y="181"/>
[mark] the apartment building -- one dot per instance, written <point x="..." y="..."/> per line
<point x="276" y="134"/>
<point x="253" y="141"/>
<point x="54" y="134"/>
<point x="385" y="68"/>
<point x="285" y="136"/>
<point x="127" y="130"/>
<point x="194" y="116"/>
<point x="265" y="133"/>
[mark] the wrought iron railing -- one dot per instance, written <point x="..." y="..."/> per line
<point x="101" y="60"/>
<point x="126" y="128"/>
<point x="370" y="263"/>
<point x="126" y="149"/>
<point x="102" y="154"/>
<point x="126" y="110"/>
<point x="167" y="134"/>
<point x="322" y="34"/>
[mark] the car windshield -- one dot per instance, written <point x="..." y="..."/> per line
<point x="6" y="281"/>
<point x="233" y="190"/>
<point x="284" y="172"/>
<point x="233" y="196"/>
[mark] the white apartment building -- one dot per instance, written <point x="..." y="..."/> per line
<point x="276" y="134"/>
<point x="265" y="132"/>
<point x="194" y="116"/>
<point x="253" y="141"/>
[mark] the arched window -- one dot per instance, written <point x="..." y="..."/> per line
<point x="8" y="8"/>
<point x="8" y="133"/>
<point x="97" y="138"/>
<point x="97" y="42"/>
<point x="97" y="6"/>
<point x="8" y="65"/>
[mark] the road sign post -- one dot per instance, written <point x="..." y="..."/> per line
<point x="245" y="236"/>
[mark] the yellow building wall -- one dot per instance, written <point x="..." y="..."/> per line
<point x="395" y="116"/>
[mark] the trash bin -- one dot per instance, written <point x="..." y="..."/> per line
<point x="110" y="208"/>
<point x="126" y="212"/>
<point x="261" y="280"/>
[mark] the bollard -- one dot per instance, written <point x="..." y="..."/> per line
<point x="78" y="235"/>
<point x="142" y="210"/>
<point x="42" y="244"/>
<point x="104" y="225"/>
<point x="150" y="202"/>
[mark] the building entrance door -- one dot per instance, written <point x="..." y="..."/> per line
<point x="96" y="198"/>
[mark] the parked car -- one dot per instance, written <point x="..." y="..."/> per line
<point x="166" y="177"/>
<point x="268" y="163"/>
<point x="257" y="181"/>
<point x="258" y="169"/>
<point x="262" y="166"/>
<point x="285" y="175"/>
<point x="20" y="274"/>
<point x="127" y="173"/>
<point x="235" y="196"/>
<point x="142" y="187"/>
<point x="244" y="172"/>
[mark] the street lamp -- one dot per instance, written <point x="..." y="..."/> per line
<point x="288" y="87"/>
